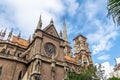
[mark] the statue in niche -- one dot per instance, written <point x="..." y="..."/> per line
<point x="37" y="66"/>
<point x="66" y="72"/>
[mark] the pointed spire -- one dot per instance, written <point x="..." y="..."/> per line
<point x="61" y="34"/>
<point x="1" y="32"/>
<point x="4" y="33"/>
<point x="39" y="23"/>
<point x="19" y="35"/>
<point x="52" y="22"/>
<point x="10" y="35"/>
<point x="29" y="39"/>
<point x="65" y="32"/>
<point x="5" y="30"/>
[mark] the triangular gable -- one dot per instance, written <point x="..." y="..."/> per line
<point x="50" y="29"/>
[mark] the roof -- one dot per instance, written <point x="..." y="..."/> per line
<point x="70" y="59"/>
<point x="80" y="36"/>
<point x="20" y="41"/>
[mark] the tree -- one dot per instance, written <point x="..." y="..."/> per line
<point x="114" y="10"/>
<point x="82" y="76"/>
<point x="114" y="78"/>
<point x="100" y="72"/>
<point x="86" y="74"/>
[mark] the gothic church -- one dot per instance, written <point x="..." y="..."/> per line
<point x="48" y="56"/>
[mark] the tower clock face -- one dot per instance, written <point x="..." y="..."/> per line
<point x="49" y="48"/>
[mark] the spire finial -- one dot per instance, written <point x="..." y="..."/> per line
<point x="61" y="34"/>
<point x="4" y="33"/>
<point x="65" y="32"/>
<point x="29" y="39"/>
<point x="19" y="35"/>
<point x="64" y="23"/>
<point x="1" y="32"/>
<point x="10" y="35"/>
<point x="39" y="23"/>
<point x="5" y="30"/>
<point x="52" y="22"/>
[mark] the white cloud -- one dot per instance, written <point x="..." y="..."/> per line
<point x="101" y="39"/>
<point x="104" y="57"/>
<point x="108" y="68"/>
<point x="72" y="7"/>
<point x="117" y="60"/>
<point x="25" y="14"/>
<point x="91" y="9"/>
<point x="103" y="32"/>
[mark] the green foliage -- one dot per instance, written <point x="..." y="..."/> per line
<point x="114" y="78"/>
<point x="82" y="76"/>
<point x="114" y="10"/>
<point x="100" y="72"/>
<point x="86" y="74"/>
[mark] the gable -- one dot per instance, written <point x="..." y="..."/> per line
<point x="50" y="29"/>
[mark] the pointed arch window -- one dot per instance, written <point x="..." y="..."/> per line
<point x="8" y="53"/>
<point x="85" y="60"/>
<point x="20" y="75"/>
<point x="14" y="53"/>
<point x="3" y="50"/>
<point x="0" y="71"/>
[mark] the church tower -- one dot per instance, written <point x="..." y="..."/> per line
<point x="82" y="52"/>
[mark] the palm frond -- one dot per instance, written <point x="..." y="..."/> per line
<point x="114" y="10"/>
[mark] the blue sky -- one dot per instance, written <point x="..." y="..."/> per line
<point x="86" y="17"/>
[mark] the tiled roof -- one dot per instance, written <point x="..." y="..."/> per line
<point x="70" y="59"/>
<point x="20" y="41"/>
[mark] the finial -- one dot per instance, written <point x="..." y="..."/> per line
<point x="64" y="23"/>
<point x="10" y="35"/>
<point x="61" y="34"/>
<point x="29" y="39"/>
<point x="65" y="32"/>
<point x="39" y="23"/>
<point x="19" y="35"/>
<point x="4" y="33"/>
<point x="5" y="30"/>
<point x="52" y="22"/>
<point x="1" y="32"/>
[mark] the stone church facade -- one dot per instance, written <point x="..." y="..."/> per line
<point x="48" y="56"/>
